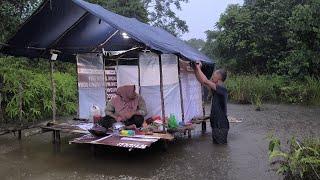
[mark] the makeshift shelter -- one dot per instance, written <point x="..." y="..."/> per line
<point x="110" y="51"/>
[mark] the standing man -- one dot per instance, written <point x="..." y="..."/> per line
<point x="218" y="117"/>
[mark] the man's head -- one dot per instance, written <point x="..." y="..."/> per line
<point x="219" y="75"/>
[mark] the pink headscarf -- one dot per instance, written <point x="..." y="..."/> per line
<point x="126" y="100"/>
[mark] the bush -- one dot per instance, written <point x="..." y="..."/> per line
<point x="300" y="161"/>
<point x="28" y="87"/>
<point x="267" y="88"/>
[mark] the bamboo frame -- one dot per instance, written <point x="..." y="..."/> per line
<point x="20" y="102"/>
<point x="139" y="76"/>
<point x="1" y="113"/>
<point x="180" y="88"/>
<point x="161" y="89"/>
<point x="53" y="90"/>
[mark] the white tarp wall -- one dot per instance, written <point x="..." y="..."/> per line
<point x="191" y="93"/>
<point x="150" y="82"/>
<point x="91" y="83"/>
<point x="128" y="75"/>
<point x="171" y="88"/>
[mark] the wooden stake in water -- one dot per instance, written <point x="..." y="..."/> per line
<point x="20" y="102"/>
<point x="1" y="113"/>
<point x="53" y="88"/>
<point x="1" y="85"/>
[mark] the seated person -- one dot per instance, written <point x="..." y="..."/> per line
<point x="127" y="106"/>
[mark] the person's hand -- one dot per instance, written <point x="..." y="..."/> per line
<point x="198" y="64"/>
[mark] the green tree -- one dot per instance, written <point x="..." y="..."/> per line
<point x="128" y="8"/>
<point x="13" y="13"/>
<point x="276" y="36"/>
<point x="161" y="14"/>
<point x="196" y="43"/>
<point x="156" y="12"/>
<point x="303" y="56"/>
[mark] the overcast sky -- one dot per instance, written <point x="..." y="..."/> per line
<point x="201" y="15"/>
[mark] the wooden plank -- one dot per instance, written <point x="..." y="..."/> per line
<point x="112" y="140"/>
<point x="72" y="131"/>
<point x="166" y="136"/>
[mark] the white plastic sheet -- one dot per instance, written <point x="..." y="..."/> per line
<point x="91" y="83"/>
<point x="169" y="69"/>
<point x="171" y="89"/>
<point x="192" y="96"/>
<point x="128" y="75"/>
<point x="149" y="69"/>
<point x="172" y="101"/>
<point x="150" y="82"/>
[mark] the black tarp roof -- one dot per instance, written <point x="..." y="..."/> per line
<point x="76" y="26"/>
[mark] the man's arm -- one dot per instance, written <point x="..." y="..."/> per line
<point x="202" y="78"/>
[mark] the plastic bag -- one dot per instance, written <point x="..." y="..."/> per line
<point x="94" y="111"/>
<point x="172" y="122"/>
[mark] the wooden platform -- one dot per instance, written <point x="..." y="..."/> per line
<point x="117" y="141"/>
<point x="134" y="142"/>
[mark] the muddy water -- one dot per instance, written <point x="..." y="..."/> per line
<point x="245" y="157"/>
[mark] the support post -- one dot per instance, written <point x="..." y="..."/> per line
<point x="204" y="126"/>
<point x="139" y="78"/>
<point x="77" y="72"/>
<point x="1" y="113"/>
<point x="20" y="110"/>
<point x="189" y="133"/>
<point x="58" y="140"/>
<point x="181" y="95"/>
<point x="161" y="90"/>
<point x="20" y="103"/>
<point x="53" y="88"/>
<point x="203" y="103"/>
<point x="54" y="136"/>
<point x="19" y="134"/>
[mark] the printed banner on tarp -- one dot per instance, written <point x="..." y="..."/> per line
<point x="111" y="81"/>
<point x="91" y="83"/>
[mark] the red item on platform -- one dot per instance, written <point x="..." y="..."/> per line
<point x="96" y="119"/>
<point x="156" y="117"/>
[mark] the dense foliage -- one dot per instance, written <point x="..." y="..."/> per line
<point x="272" y="88"/>
<point x="266" y="37"/>
<point x="156" y="12"/>
<point x="301" y="161"/>
<point x="196" y="43"/>
<point x="13" y="13"/>
<point x="26" y="86"/>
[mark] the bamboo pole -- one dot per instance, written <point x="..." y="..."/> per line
<point x="181" y="95"/>
<point x="1" y="86"/>
<point x="77" y="72"/>
<point x="20" y="103"/>
<point x="161" y="89"/>
<point x="139" y="77"/>
<point x="53" y="88"/>
<point x="1" y="113"/>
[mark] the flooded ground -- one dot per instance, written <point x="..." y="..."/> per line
<point x="245" y="157"/>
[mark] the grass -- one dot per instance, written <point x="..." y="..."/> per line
<point x="249" y="89"/>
